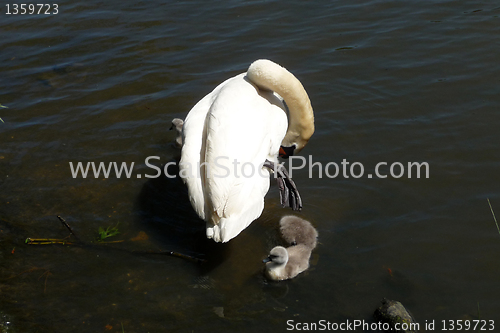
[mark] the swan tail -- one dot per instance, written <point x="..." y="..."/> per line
<point x="231" y="223"/>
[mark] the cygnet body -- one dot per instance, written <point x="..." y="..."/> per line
<point x="287" y="263"/>
<point x="295" y="230"/>
<point x="177" y="124"/>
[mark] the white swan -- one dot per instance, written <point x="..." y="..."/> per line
<point x="240" y="124"/>
<point x="284" y="264"/>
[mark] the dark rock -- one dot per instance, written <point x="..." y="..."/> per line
<point x="396" y="315"/>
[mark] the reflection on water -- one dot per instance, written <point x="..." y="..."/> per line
<point x="389" y="81"/>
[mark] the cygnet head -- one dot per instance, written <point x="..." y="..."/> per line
<point x="297" y="231"/>
<point x="284" y="264"/>
<point x="278" y="255"/>
<point x="177" y="125"/>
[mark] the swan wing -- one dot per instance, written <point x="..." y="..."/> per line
<point x="244" y="127"/>
<point x="194" y="136"/>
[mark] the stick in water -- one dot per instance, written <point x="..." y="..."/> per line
<point x="67" y="226"/>
<point x="492" y="212"/>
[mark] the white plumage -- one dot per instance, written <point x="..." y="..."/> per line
<point x="230" y="133"/>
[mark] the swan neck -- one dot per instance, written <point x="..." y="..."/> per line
<point x="271" y="76"/>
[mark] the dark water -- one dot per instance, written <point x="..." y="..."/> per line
<point x="390" y="81"/>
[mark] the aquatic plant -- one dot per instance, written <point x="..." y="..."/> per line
<point x="109" y="232"/>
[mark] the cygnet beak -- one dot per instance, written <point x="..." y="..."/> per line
<point x="267" y="259"/>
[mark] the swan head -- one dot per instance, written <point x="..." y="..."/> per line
<point x="278" y="256"/>
<point x="300" y="130"/>
<point x="286" y="152"/>
<point x="177" y="124"/>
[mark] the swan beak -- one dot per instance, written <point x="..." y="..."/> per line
<point x="267" y="259"/>
<point x="286" y="152"/>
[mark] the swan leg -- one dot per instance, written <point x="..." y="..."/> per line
<point x="289" y="194"/>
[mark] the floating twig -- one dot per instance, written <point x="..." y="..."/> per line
<point x="3" y="107"/>
<point x="494" y="218"/>
<point x="47" y="241"/>
<point x="46" y="273"/>
<point x="67" y="226"/>
<point x="111" y="242"/>
<point x="174" y="254"/>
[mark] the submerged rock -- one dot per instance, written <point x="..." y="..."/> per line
<point x="63" y="75"/>
<point x="396" y="315"/>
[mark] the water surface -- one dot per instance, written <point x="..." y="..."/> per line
<point x="390" y="81"/>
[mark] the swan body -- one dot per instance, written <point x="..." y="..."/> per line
<point x="230" y="133"/>
<point x="287" y="263"/>
<point x="295" y="230"/>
